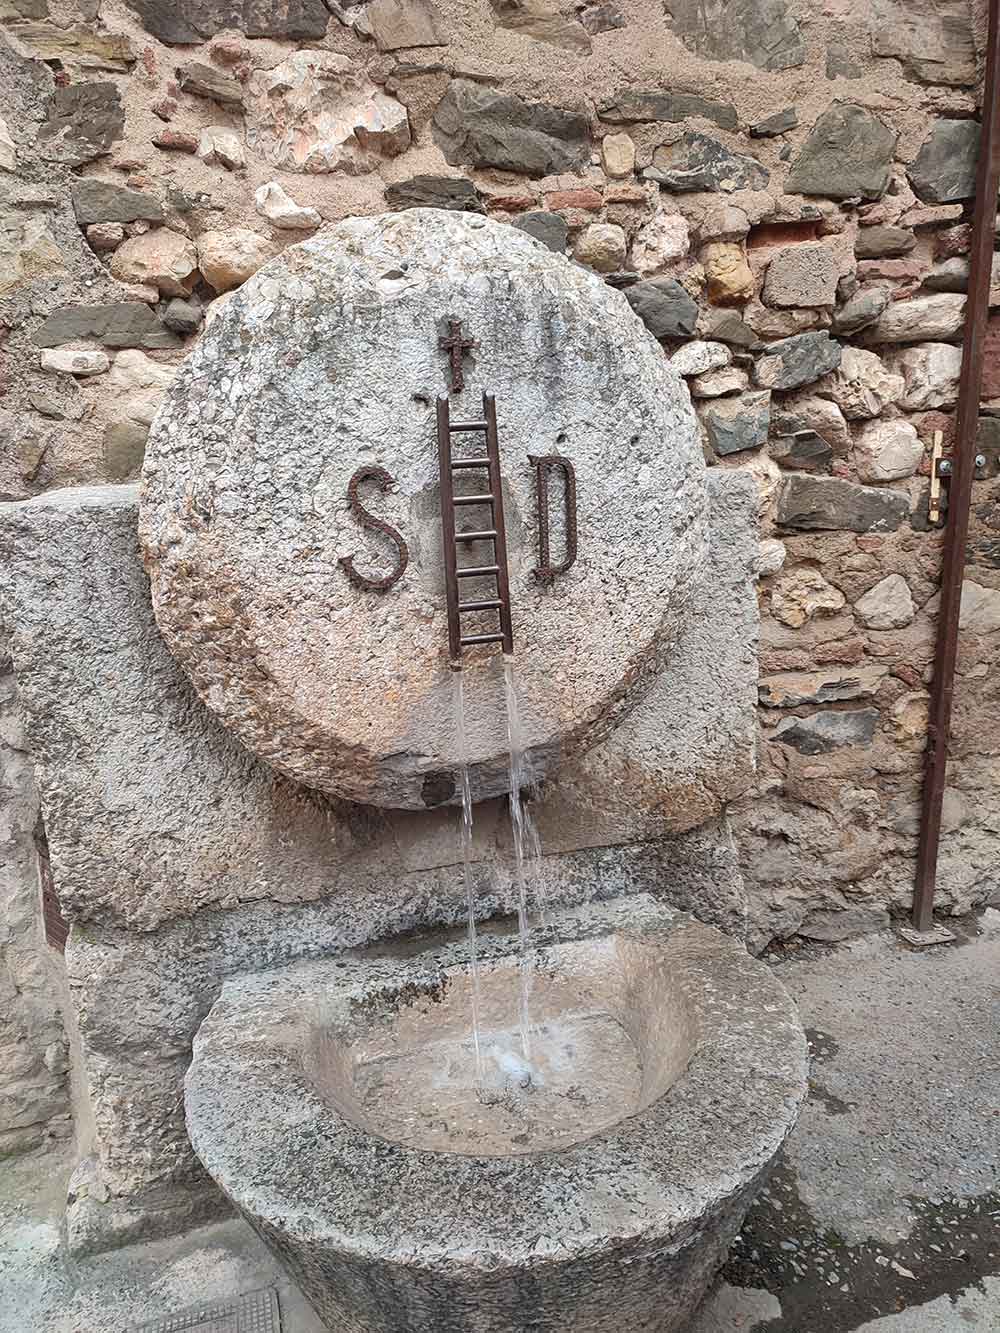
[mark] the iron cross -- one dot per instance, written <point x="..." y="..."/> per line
<point x="456" y="346"/>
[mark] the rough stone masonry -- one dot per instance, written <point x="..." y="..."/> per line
<point x="783" y="194"/>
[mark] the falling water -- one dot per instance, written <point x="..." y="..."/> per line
<point x="527" y="845"/>
<point x="527" y="848"/>
<point x="458" y="708"/>
<point x="527" y="879"/>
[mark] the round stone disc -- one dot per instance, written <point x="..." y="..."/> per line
<point x="327" y="362"/>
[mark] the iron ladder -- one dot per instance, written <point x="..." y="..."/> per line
<point x="494" y="532"/>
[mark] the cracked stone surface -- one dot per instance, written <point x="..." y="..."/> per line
<point x="485" y="128"/>
<point x="185" y="21"/>
<point x="760" y="32"/>
<point x="317" y="111"/>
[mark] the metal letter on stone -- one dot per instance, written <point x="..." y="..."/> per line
<point x="384" y="481"/>
<point x="544" y="465"/>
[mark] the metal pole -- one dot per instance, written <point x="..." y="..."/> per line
<point x="960" y="492"/>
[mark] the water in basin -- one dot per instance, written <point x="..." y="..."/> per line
<point x="609" y="1035"/>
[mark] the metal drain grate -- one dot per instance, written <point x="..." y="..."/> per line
<point x="256" y="1312"/>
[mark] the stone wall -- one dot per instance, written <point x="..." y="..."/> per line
<point x="781" y="187"/>
<point x="34" y="1090"/>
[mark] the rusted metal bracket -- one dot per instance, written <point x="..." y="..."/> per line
<point x="986" y="463"/>
<point x="545" y="464"/>
<point x="960" y="492"/>
<point x="384" y="481"/>
<point x="940" y="467"/>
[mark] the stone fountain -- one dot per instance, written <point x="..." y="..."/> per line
<point x="297" y="525"/>
<point x="333" y="1103"/>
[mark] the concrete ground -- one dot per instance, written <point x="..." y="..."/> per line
<point x="883" y="1215"/>
<point x="40" y="1292"/>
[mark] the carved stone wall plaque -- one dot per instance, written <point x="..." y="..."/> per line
<point x="327" y="361"/>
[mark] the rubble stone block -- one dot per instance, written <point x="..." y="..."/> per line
<point x="920" y="319"/>
<point x="398" y="24"/>
<point x="478" y="126"/>
<point x="549" y="228"/>
<point x="83" y="121"/>
<point x="932" y="39"/>
<point x="602" y="246"/>
<point x="632" y="106"/>
<point x="848" y="153"/>
<point x="435" y="192"/>
<point x="889" y="605"/>
<point x="162" y="258"/>
<point x="697" y="163"/>
<point x="730" y="278"/>
<point x="828" y="503"/>
<point x="188" y="22"/>
<point x="819" y="733"/>
<point x="763" y="33"/>
<point x="798" y="360"/>
<point x="802" y="275"/>
<point x="945" y="168"/>
<point x="318" y="111"/>
<point x="228" y="258"/>
<point x="880" y="242"/>
<point x="664" y="306"/>
<point x="97" y="200"/>
<point x="736" y="424"/>
<point x="862" y="386"/>
<point x="125" y="324"/>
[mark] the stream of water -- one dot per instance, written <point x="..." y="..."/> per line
<point x="527" y="870"/>
<point x="458" y="705"/>
<point x="527" y="848"/>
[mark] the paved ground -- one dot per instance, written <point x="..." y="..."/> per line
<point x="884" y="1212"/>
<point x="41" y="1293"/>
<point x="883" y="1215"/>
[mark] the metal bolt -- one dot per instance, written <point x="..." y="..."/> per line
<point x="980" y="460"/>
<point x="944" y="467"/>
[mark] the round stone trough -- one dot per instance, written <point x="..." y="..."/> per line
<point x="593" y="1183"/>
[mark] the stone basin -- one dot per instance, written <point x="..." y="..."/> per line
<point x="593" y="1184"/>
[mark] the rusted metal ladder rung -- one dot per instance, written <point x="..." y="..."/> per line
<point x="481" y="638"/>
<point x="473" y="499"/>
<point x="478" y="572"/>
<point x="486" y="535"/>
<point x="487" y="604"/>
<point x="456" y="427"/>
<point x="470" y="462"/>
